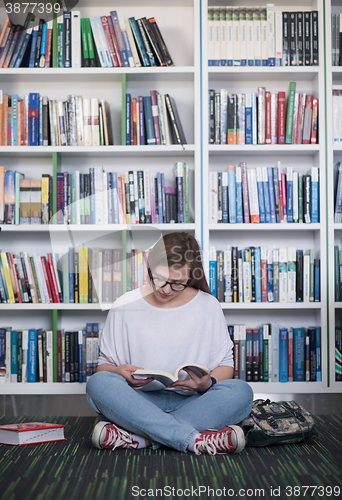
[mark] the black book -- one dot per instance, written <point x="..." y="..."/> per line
<point x="235" y="274"/>
<point x="307" y="198"/>
<point x="67" y="356"/>
<point x="231" y="119"/>
<point x="299" y="275"/>
<point x="72" y="356"/>
<point x="255" y="356"/>
<point x="20" y="356"/>
<point x="175" y="120"/>
<point x="146" y="42"/>
<point x="44" y="356"/>
<point x="313" y="359"/>
<point x="39" y="43"/>
<point x="220" y="276"/>
<point x="26" y="278"/>
<point x="307" y="38"/>
<point x="252" y="256"/>
<point x="314" y="37"/>
<point x="174" y="216"/>
<point x="67" y="39"/>
<point x="211" y="116"/>
<point x="156" y="198"/>
<point x="286" y="40"/>
<point x="249" y="355"/>
<point x="300" y="38"/>
<point x="293" y="45"/>
<point x="160" y="41"/>
<point x="76" y="357"/>
<point x="46" y="127"/>
<point x="76" y="280"/>
<point x="131" y="199"/>
<point x="159" y="58"/>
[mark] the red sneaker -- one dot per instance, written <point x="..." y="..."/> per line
<point x="108" y="436"/>
<point x="227" y="440"/>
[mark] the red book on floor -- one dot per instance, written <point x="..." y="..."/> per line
<point x="281" y="117"/>
<point x="31" y="433"/>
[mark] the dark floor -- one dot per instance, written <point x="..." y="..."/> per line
<point x="74" y="470"/>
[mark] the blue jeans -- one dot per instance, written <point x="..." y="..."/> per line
<point x="165" y="417"/>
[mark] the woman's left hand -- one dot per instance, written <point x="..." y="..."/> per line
<point x="195" y="383"/>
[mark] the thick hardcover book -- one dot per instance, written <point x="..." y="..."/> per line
<point x="31" y="433"/>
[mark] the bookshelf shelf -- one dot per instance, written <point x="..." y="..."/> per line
<point x="95" y="151"/>
<point x="60" y="228"/>
<point x="265" y="227"/>
<point x="157" y="73"/>
<point x="250" y="150"/>
<point x="54" y="306"/>
<point x="271" y="305"/>
<point x="275" y="73"/>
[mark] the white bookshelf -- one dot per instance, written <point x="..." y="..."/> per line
<point x="334" y="155"/>
<point x="310" y="79"/>
<point x="188" y="81"/>
<point x="179" y="22"/>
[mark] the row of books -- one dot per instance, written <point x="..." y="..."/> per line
<point x="28" y="356"/>
<point x="336" y="39"/>
<point x="264" y="195"/>
<point x="153" y="120"/>
<point x="39" y="121"/>
<point x="97" y="197"/>
<point x="273" y="354"/>
<point x="256" y="274"/>
<point x="106" y="41"/>
<point x="337" y="114"/>
<point x="262" y="117"/>
<point x="338" y="354"/>
<point x="82" y="275"/>
<point x="254" y="36"/>
<point x="338" y="194"/>
<point x="338" y="273"/>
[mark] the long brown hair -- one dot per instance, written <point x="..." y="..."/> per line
<point x="176" y="250"/>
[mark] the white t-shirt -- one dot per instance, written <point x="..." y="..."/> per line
<point x="157" y="338"/>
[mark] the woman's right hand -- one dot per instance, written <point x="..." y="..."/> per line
<point x="126" y="372"/>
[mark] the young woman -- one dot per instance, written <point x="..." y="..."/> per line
<point x="160" y="326"/>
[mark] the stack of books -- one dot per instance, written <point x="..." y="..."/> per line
<point x="272" y="354"/>
<point x="153" y="120"/>
<point x="254" y="36"/>
<point x="39" y="121"/>
<point x="256" y="274"/>
<point x="262" y="117"/>
<point x="105" y="41"/>
<point x="265" y="195"/>
<point x="28" y="356"/>
<point x="97" y="197"/>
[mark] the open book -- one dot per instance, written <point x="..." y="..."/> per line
<point x="168" y="378"/>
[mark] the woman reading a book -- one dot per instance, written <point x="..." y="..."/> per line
<point x="172" y="321"/>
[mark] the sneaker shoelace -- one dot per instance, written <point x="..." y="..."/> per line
<point x="213" y="443"/>
<point x="118" y="438"/>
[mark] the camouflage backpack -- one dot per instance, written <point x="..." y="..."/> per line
<point x="281" y="422"/>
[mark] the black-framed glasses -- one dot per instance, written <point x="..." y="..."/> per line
<point x="176" y="287"/>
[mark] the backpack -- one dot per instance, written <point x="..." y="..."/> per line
<point x="281" y="422"/>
